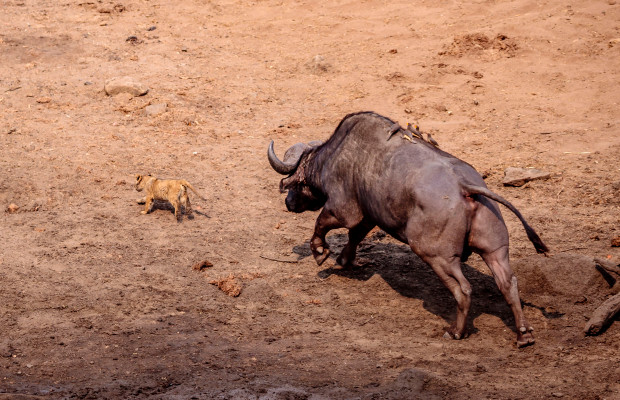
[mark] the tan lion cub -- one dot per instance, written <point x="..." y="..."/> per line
<point x="171" y="190"/>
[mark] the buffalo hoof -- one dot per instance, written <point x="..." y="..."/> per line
<point x="344" y="263"/>
<point x="452" y="333"/>
<point x="525" y="339"/>
<point x="320" y="257"/>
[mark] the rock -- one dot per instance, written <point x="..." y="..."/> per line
<point x="318" y="64"/>
<point x="133" y="39"/>
<point x="519" y="176"/>
<point x="44" y="100"/>
<point x="12" y="208"/>
<point x="615" y="242"/>
<point x="125" y="84"/>
<point x="155" y="109"/>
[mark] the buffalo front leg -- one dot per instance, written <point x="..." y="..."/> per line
<point x="356" y="235"/>
<point x="324" y="223"/>
<point x="507" y="284"/>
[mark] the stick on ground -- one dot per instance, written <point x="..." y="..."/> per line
<point x="603" y="315"/>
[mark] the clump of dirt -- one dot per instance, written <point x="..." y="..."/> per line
<point x="475" y="43"/>
<point x="201" y="265"/>
<point x="229" y="285"/>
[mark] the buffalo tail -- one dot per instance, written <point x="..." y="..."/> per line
<point x="531" y="234"/>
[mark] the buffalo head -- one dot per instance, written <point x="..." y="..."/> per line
<point x="303" y="193"/>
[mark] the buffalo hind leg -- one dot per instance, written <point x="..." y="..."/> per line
<point x="449" y="271"/>
<point x="507" y="283"/>
<point x="324" y="223"/>
<point x="356" y="235"/>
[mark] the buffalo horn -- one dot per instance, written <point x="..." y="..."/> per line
<point x="279" y="166"/>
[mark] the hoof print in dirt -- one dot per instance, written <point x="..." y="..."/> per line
<point x="229" y="285"/>
<point x="155" y="109"/>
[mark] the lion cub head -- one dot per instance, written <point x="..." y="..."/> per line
<point x="141" y="181"/>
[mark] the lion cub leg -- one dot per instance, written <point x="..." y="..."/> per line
<point x="175" y="201"/>
<point x="148" y="205"/>
<point x="175" y="204"/>
<point x="184" y="199"/>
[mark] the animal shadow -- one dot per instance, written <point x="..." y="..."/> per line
<point x="409" y="276"/>
<point x="165" y="205"/>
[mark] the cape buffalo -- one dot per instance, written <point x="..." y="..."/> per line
<point x="367" y="175"/>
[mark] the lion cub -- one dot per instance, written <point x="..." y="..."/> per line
<point x="171" y="190"/>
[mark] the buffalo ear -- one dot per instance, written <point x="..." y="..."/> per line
<point x="287" y="183"/>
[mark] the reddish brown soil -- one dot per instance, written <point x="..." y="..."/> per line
<point x="99" y="301"/>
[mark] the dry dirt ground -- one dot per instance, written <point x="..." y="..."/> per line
<point x="99" y="301"/>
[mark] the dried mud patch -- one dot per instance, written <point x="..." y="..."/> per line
<point x="475" y="44"/>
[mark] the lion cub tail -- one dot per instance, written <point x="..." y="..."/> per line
<point x="187" y="184"/>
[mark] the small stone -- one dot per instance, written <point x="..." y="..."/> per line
<point x="558" y="394"/>
<point x="125" y="84"/>
<point x="152" y="28"/>
<point x="615" y="242"/>
<point x="133" y="39"/>
<point x="318" y="64"/>
<point x="44" y="100"/>
<point x="519" y="176"/>
<point x="155" y="109"/>
<point x="12" y="208"/>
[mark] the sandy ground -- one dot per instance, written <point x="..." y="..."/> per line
<point x="99" y="301"/>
